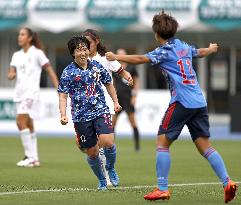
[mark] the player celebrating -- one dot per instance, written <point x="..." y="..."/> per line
<point x="97" y="52"/>
<point x="187" y="106"/>
<point x="26" y="65"/>
<point x="127" y="97"/>
<point x="82" y="80"/>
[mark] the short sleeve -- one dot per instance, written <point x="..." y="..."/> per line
<point x="115" y="66"/>
<point x="14" y="61"/>
<point x="64" y="83"/>
<point x="194" y="51"/>
<point x="105" y="76"/>
<point x="157" y="56"/>
<point x="43" y="60"/>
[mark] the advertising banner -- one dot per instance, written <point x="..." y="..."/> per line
<point x="223" y="14"/>
<point x="57" y="16"/>
<point x="185" y="11"/>
<point x="112" y="15"/>
<point x="12" y="13"/>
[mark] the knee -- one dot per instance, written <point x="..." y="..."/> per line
<point x="109" y="144"/>
<point x="21" y="124"/>
<point x="92" y="152"/>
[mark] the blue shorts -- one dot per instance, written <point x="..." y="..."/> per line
<point x="177" y="116"/>
<point x="87" y="132"/>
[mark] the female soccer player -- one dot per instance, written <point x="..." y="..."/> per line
<point x="82" y="80"/>
<point x="187" y="106"/>
<point x="97" y="52"/>
<point x="26" y="66"/>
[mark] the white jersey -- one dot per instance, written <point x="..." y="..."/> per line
<point x="28" y="67"/>
<point x="110" y="66"/>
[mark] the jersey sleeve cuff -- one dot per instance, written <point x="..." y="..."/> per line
<point x="120" y="70"/>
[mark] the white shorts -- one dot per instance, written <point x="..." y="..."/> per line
<point x="27" y="106"/>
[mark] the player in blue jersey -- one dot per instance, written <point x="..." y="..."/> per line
<point x="187" y="106"/>
<point x="82" y="80"/>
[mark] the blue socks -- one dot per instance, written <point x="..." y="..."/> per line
<point x="95" y="165"/>
<point x="110" y="154"/>
<point x="163" y="163"/>
<point x="217" y="164"/>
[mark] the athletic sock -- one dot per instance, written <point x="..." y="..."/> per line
<point x="110" y="154"/>
<point x="35" y="145"/>
<point x="217" y="164"/>
<point x="102" y="159"/>
<point x="95" y="165"/>
<point x="136" y="138"/>
<point x="25" y="136"/>
<point x="163" y="163"/>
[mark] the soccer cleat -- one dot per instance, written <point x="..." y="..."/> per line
<point x="114" y="179"/>
<point x="102" y="185"/>
<point x="36" y="163"/>
<point x="26" y="162"/>
<point x="158" y="194"/>
<point x="229" y="191"/>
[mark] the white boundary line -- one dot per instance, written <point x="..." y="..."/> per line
<point x="117" y="188"/>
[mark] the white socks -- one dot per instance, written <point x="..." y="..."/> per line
<point x="26" y="139"/>
<point x="35" y="145"/>
<point x="29" y="142"/>
<point x="103" y="163"/>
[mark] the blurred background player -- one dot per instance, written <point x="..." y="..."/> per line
<point x="26" y="66"/>
<point x="127" y="96"/>
<point x="187" y="106"/>
<point x="97" y="52"/>
<point x="82" y="80"/>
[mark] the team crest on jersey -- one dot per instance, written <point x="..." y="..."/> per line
<point x="77" y="78"/>
<point x="96" y="73"/>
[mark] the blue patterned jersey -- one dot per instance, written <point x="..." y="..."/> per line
<point x="84" y="87"/>
<point x="175" y="60"/>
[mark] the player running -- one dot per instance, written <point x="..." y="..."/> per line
<point x="82" y="80"/>
<point x="97" y="52"/>
<point x="26" y="66"/>
<point x="187" y="106"/>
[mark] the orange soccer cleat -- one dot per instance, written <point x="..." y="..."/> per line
<point x="158" y="194"/>
<point x="229" y="191"/>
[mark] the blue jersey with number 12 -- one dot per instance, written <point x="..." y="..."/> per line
<point x="175" y="60"/>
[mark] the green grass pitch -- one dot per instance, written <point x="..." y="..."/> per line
<point x="64" y="169"/>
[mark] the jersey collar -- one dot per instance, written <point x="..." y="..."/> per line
<point x="88" y="65"/>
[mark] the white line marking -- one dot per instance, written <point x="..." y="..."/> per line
<point x="111" y="188"/>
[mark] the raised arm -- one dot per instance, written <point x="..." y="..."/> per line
<point x="12" y="73"/>
<point x="132" y="59"/>
<point x="112" y="92"/>
<point x="62" y="108"/>
<point x="203" y="52"/>
<point x="52" y="75"/>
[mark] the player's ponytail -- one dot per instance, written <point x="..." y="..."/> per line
<point x="35" y="38"/>
<point x="93" y="34"/>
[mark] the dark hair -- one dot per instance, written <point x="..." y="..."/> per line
<point x="35" y="38"/>
<point x="93" y="34"/>
<point x="164" y="25"/>
<point x="74" y="42"/>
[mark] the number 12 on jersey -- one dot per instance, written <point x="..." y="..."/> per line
<point x="184" y="74"/>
